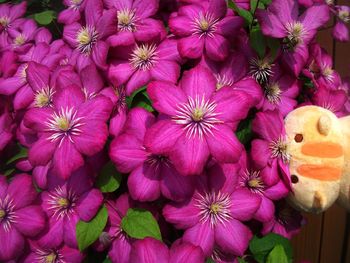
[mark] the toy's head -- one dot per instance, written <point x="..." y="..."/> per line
<point x="315" y="145"/>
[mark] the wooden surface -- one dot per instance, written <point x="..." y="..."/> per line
<point x="326" y="237"/>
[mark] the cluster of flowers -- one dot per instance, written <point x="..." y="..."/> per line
<point x="67" y="102"/>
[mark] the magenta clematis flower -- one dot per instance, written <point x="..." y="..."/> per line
<point x="71" y="128"/>
<point x="264" y="183"/>
<point x="21" y="38"/>
<point x="270" y="149"/>
<point x="52" y="254"/>
<point x="212" y="217"/>
<point x="73" y="11"/>
<point x="150" y="250"/>
<point x="65" y="203"/>
<point x="281" y="20"/>
<point x="10" y="15"/>
<point x="280" y="92"/>
<point x="150" y="174"/>
<point x="19" y="217"/>
<point x="198" y="121"/>
<point x="204" y="28"/>
<point x="89" y="39"/>
<point x="146" y="62"/>
<point x="287" y="221"/>
<point x="8" y="64"/>
<point x="135" y="23"/>
<point x="120" y="243"/>
<point x="340" y="30"/>
<point x="320" y="69"/>
<point x="333" y="100"/>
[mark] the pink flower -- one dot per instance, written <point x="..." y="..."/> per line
<point x="120" y="243"/>
<point x="204" y="28"/>
<point x="264" y="183"/>
<point x="73" y="11"/>
<point x="280" y="92"/>
<point x="333" y="100"/>
<point x="47" y="254"/>
<point x="19" y="217"/>
<point x="150" y="250"/>
<point x="7" y="125"/>
<point x="320" y="68"/>
<point x="197" y="121"/>
<point x="150" y="174"/>
<point x="143" y="63"/>
<point x="65" y="203"/>
<point x="10" y="15"/>
<point x="340" y="30"/>
<point x="135" y="23"/>
<point x="287" y="221"/>
<point x="71" y="128"/>
<point x="21" y="37"/>
<point x="270" y="149"/>
<point x="281" y="20"/>
<point x="212" y="217"/>
<point x="89" y="38"/>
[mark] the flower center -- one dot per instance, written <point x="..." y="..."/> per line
<point x="2" y="213"/>
<point x="204" y="25"/>
<point x="126" y="20"/>
<point x="260" y="69"/>
<point x="222" y="81"/>
<point x="51" y="258"/>
<point x="197" y="116"/>
<point x="214" y="207"/>
<point x="344" y="15"/>
<point x="273" y="93"/>
<point x="157" y="160"/>
<point x="43" y="98"/>
<point x="327" y="72"/>
<point x="63" y="124"/>
<point x="7" y="214"/>
<point x="296" y="33"/>
<point x="253" y="181"/>
<point x="279" y="150"/>
<point x="86" y="38"/>
<point x="20" y="40"/>
<point x="4" y="21"/>
<point x="62" y="202"/>
<point x="144" y="56"/>
<point x="75" y="4"/>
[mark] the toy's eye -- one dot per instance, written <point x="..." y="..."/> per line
<point x="294" y="178"/>
<point x="298" y="137"/>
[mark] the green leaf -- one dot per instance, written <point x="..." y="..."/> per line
<point x="23" y="153"/>
<point x="277" y="255"/>
<point x="9" y="171"/>
<point x="140" y="223"/>
<point x="266" y="2"/>
<point x="257" y="41"/>
<point x="109" y="179"/>
<point x="241" y="260"/>
<point x="45" y="18"/>
<point x="261" y="247"/>
<point x="248" y="17"/>
<point x="88" y="232"/>
<point x="107" y="260"/>
<point x="244" y="131"/>
<point x="209" y="260"/>
<point x="2" y="1"/>
<point x="253" y="5"/>
<point x="145" y="105"/>
<point x="274" y="45"/>
<point x="129" y="100"/>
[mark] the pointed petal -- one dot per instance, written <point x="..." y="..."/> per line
<point x="191" y="47"/>
<point x="89" y="204"/>
<point x="149" y="250"/>
<point x="12" y="243"/>
<point x="30" y="220"/>
<point x="182" y="215"/>
<point x="244" y="204"/>
<point x="21" y="191"/>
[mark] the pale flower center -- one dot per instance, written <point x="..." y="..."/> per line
<point x="204" y="25"/>
<point x="126" y="20"/>
<point x="344" y="16"/>
<point x="279" y="150"/>
<point x="260" y="69"/>
<point x="2" y="213"/>
<point x="20" y="40"/>
<point x="4" y="21"/>
<point x="296" y="33"/>
<point x="43" y="98"/>
<point x="86" y="38"/>
<point x="255" y="183"/>
<point x="273" y="93"/>
<point x="144" y="56"/>
<point x="51" y="258"/>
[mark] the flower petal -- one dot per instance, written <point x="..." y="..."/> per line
<point x="21" y="191"/>
<point x="37" y="75"/>
<point x="182" y="215"/>
<point x="244" y="204"/>
<point x="233" y="237"/>
<point x="166" y="97"/>
<point x="12" y="244"/>
<point x="202" y="235"/>
<point x="149" y="250"/>
<point x="89" y="204"/>
<point x="191" y="47"/>
<point x="30" y="220"/>
<point x="217" y="47"/>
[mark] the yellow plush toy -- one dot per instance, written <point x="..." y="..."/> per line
<point x="319" y="146"/>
